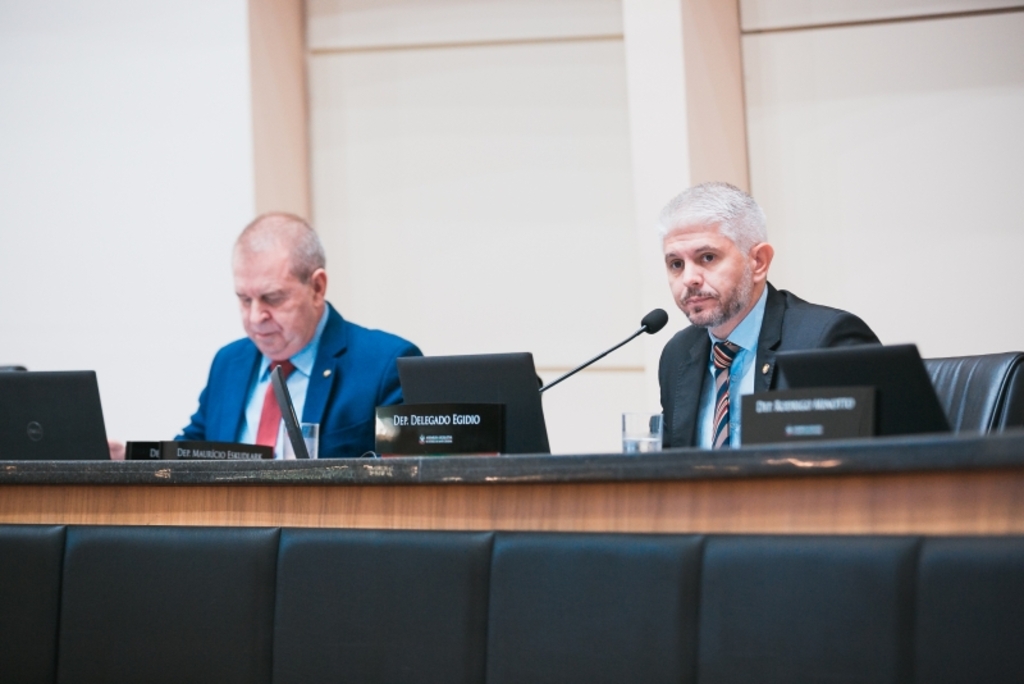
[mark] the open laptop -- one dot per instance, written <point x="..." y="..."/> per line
<point x="509" y="379"/>
<point x="905" y="400"/>
<point x="51" y="416"/>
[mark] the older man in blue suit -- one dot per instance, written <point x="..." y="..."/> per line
<point x="337" y="372"/>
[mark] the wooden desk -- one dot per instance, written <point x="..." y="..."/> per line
<point x="945" y="485"/>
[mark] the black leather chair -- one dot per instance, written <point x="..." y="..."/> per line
<point x="980" y="393"/>
<point x="381" y="606"/>
<point x="970" y="611"/>
<point x="167" y="604"/>
<point x="593" y="608"/>
<point x="806" y="609"/>
<point x="30" y="575"/>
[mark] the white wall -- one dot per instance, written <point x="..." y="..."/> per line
<point x="889" y="160"/>
<point x="766" y="15"/>
<point x="660" y="152"/>
<point x="125" y="173"/>
<point x="471" y="179"/>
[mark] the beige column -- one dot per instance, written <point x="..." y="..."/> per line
<point x="280" y="105"/>
<point x="685" y="84"/>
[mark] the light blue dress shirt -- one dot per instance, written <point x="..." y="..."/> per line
<point x="741" y="377"/>
<point x="298" y="383"/>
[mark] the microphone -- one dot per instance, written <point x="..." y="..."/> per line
<point x="650" y="324"/>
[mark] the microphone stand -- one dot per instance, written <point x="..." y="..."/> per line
<point x="600" y="356"/>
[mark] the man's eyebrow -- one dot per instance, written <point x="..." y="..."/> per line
<point x="261" y="295"/>
<point x="672" y="254"/>
<point x="706" y="248"/>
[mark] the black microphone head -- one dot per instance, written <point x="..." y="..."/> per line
<point x="654" y="321"/>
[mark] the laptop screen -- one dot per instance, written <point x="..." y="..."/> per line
<point x="905" y="399"/>
<point x="509" y="379"/>
<point x="51" y="416"/>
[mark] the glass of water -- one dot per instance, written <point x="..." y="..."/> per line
<point x="641" y="432"/>
<point x="310" y="435"/>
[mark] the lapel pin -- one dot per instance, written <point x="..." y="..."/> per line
<point x="764" y="368"/>
<point x="327" y="373"/>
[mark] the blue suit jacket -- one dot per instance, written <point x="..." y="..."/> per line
<point x="363" y="375"/>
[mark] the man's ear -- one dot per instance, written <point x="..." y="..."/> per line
<point x="319" y="282"/>
<point x="761" y="256"/>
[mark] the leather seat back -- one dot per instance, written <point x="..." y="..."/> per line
<point x="806" y="609"/>
<point x="593" y="608"/>
<point x="381" y="606"/>
<point x="30" y="576"/>
<point x="167" y="604"/>
<point x="980" y="393"/>
<point x="970" y="611"/>
<point x="164" y="604"/>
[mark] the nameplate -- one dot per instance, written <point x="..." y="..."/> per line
<point x="803" y="415"/>
<point x="196" y="451"/>
<point x="440" y="429"/>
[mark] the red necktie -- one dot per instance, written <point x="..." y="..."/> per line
<point x="270" y="419"/>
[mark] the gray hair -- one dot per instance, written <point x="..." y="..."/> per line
<point x="735" y="212"/>
<point x="273" y="230"/>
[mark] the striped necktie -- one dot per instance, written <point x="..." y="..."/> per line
<point x="722" y="356"/>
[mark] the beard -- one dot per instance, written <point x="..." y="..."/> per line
<point x="725" y="308"/>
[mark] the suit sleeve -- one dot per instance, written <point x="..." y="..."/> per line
<point x="389" y="392"/>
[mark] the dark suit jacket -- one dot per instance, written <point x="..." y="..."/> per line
<point x="789" y="324"/>
<point x="363" y="375"/>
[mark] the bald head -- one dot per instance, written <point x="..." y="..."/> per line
<point x="286" y="233"/>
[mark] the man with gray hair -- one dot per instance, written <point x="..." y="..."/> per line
<point x="337" y="372"/>
<point x="717" y="257"/>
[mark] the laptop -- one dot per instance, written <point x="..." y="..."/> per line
<point x="51" y="416"/>
<point x="509" y="379"/>
<point x="905" y="400"/>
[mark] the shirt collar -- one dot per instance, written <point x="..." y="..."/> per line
<point x="303" y="359"/>
<point x="746" y="333"/>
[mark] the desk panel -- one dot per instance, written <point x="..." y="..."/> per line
<point x="976" y="502"/>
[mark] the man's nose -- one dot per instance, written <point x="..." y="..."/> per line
<point x="693" y="276"/>
<point x="256" y="312"/>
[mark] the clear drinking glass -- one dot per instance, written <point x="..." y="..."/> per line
<point x="310" y="434"/>
<point x="641" y="432"/>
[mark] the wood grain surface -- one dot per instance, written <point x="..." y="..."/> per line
<point x="973" y="502"/>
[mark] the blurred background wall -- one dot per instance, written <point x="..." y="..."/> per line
<point x="126" y="170"/>
<point x="486" y="174"/>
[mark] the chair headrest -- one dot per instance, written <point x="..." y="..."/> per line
<point x="980" y="393"/>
